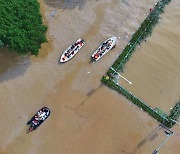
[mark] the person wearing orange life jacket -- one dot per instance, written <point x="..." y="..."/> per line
<point x="96" y="56"/>
<point x="80" y="43"/>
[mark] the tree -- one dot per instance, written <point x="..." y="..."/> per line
<point x="21" y="27"/>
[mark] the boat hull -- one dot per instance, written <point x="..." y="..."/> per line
<point x="33" y="126"/>
<point x="104" y="48"/>
<point x="71" y="51"/>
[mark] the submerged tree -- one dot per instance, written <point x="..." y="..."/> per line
<point x="21" y="25"/>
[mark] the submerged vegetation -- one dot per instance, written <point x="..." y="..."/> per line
<point x="21" y="27"/>
<point x="174" y="114"/>
<point x="143" y="32"/>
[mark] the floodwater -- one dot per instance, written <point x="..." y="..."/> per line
<point x="154" y="69"/>
<point x="87" y="117"/>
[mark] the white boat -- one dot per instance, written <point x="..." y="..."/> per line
<point x="104" y="48"/>
<point x="71" y="51"/>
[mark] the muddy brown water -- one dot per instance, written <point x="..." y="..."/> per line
<point x="87" y="117"/>
<point x="154" y="69"/>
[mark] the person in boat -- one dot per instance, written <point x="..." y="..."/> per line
<point x="67" y="54"/>
<point x="40" y="112"/>
<point x="72" y="47"/>
<point x="105" y="43"/>
<point x="33" y="126"/>
<point x="96" y="56"/>
<point x="103" y="48"/>
<point x="79" y="43"/>
<point x="109" y="43"/>
<point x="36" y="117"/>
<point x="35" y="122"/>
<point x="30" y="128"/>
<point x="42" y="115"/>
<point x="98" y="52"/>
<point x="108" y="48"/>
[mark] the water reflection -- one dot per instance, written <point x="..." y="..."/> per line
<point x="11" y="64"/>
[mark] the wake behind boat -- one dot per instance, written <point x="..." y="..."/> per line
<point x="38" y="118"/>
<point x="104" y="48"/>
<point x="71" y="51"/>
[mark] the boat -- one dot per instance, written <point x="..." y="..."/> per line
<point x="38" y="118"/>
<point x="104" y="48"/>
<point x="71" y="51"/>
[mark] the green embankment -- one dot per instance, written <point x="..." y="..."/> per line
<point x="143" y="32"/>
<point x="21" y="27"/>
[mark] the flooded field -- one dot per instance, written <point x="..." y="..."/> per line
<point x="87" y="117"/>
<point x="154" y="69"/>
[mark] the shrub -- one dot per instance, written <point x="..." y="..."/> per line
<point x="21" y="26"/>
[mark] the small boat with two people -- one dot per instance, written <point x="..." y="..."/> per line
<point x="104" y="48"/>
<point x="38" y="118"/>
<point x="71" y="51"/>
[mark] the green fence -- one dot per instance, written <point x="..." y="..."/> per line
<point x="144" y="31"/>
<point x="153" y="112"/>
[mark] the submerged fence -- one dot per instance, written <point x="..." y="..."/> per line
<point x="144" y="31"/>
